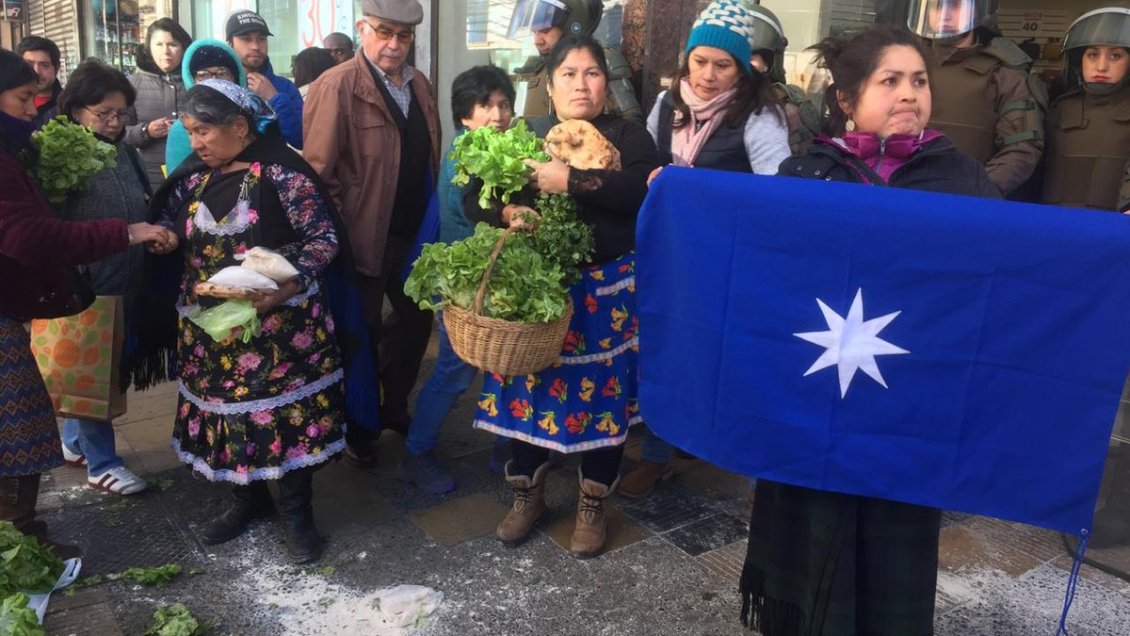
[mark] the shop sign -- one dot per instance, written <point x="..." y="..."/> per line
<point x="14" y="10"/>
<point x="319" y="18"/>
<point x="1021" y="24"/>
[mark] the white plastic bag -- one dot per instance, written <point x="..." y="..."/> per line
<point x="268" y="263"/>
<point x="38" y="602"/>
<point x="403" y="605"/>
<point x="244" y="278"/>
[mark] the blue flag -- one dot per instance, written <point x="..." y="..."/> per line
<point x="948" y="351"/>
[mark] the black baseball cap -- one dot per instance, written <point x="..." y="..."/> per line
<point x="245" y="21"/>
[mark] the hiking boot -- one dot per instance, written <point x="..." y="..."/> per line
<point x="247" y="504"/>
<point x="427" y="473"/>
<point x="641" y="482"/>
<point x="528" y="507"/>
<point x="591" y="528"/>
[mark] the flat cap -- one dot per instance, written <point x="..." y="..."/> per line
<point x="408" y="12"/>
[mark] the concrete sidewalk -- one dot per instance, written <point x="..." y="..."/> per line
<point x="673" y="566"/>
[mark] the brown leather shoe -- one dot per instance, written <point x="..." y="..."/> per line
<point x="529" y="506"/>
<point x="641" y="482"/>
<point x="591" y="528"/>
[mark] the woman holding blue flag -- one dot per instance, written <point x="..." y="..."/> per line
<point x="821" y="562"/>
<point x="269" y="406"/>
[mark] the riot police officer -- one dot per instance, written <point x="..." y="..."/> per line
<point x="768" y="44"/>
<point x="1089" y="126"/>
<point x="984" y="99"/>
<point x="551" y="20"/>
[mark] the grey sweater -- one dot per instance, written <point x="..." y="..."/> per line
<point x="114" y="193"/>
<point x="157" y="97"/>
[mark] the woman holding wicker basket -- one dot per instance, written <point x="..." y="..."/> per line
<point x="585" y="402"/>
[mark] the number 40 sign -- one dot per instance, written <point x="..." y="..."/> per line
<point x="319" y="18"/>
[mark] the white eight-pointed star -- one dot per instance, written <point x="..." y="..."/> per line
<point x="851" y="343"/>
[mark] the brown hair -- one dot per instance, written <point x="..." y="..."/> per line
<point x="852" y="59"/>
<point x="754" y="92"/>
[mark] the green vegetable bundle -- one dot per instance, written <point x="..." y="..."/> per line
<point x="497" y="158"/>
<point x="560" y="237"/>
<point x="175" y="620"/>
<point x="68" y="154"/>
<point x="25" y="566"/>
<point x="523" y="287"/>
<point x="17" y="619"/>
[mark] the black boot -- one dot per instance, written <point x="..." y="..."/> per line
<point x="18" y="496"/>
<point x="247" y="504"/>
<point x="303" y="543"/>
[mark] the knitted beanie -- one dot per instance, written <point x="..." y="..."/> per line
<point x="726" y="25"/>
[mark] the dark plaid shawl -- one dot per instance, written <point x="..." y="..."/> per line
<point x="829" y="564"/>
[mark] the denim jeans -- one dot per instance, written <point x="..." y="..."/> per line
<point x="95" y="440"/>
<point x="450" y="378"/>
<point x="655" y="450"/>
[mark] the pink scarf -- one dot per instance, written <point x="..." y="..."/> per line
<point x="687" y="141"/>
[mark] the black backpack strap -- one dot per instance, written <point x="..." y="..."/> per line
<point x="140" y="170"/>
<point x="666" y="119"/>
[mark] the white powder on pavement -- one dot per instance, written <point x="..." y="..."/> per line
<point x="304" y="601"/>
<point x="991" y="602"/>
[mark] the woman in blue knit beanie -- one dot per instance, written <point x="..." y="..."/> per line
<point x="719" y="114"/>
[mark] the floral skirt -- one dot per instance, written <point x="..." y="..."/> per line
<point x="588" y="398"/>
<point x="29" y="437"/>
<point x="256" y="410"/>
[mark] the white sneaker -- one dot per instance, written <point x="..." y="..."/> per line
<point x="73" y="459"/>
<point x="118" y="480"/>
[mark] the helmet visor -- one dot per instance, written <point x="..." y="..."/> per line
<point x="1103" y="27"/>
<point x="536" y="15"/>
<point x="767" y="34"/>
<point x="941" y="19"/>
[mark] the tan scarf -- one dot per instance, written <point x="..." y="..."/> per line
<point x="706" y="116"/>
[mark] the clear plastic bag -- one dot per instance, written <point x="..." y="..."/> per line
<point x="406" y="605"/>
<point x="269" y="263"/>
<point x="220" y="320"/>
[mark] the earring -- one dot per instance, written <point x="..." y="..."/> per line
<point x="849" y="125"/>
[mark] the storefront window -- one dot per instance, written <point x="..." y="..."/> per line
<point x="114" y="28"/>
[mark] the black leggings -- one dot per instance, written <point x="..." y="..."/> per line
<point x="600" y="465"/>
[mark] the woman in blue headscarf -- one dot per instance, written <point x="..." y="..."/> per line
<point x="271" y="407"/>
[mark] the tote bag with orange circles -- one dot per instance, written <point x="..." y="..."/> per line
<point x="78" y="357"/>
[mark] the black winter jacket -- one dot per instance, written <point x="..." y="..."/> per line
<point x="936" y="167"/>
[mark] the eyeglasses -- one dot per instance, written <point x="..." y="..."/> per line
<point x="105" y="116"/>
<point x="207" y="74"/>
<point x="385" y="34"/>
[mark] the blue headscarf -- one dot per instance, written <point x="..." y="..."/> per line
<point x="250" y="104"/>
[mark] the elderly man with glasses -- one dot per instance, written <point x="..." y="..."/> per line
<point x="372" y="133"/>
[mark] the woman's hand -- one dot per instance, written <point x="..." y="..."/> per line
<point x="146" y="233"/>
<point x="273" y="299"/>
<point x="167" y="243"/>
<point x="518" y="215"/>
<point x="654" y="173"/>
<point x="158" y="128"/>
<point x="551" y="177"/>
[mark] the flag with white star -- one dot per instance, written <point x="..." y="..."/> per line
<point x="955" y="352"/>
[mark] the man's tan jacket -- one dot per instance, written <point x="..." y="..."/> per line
<point x="353" y="143"/>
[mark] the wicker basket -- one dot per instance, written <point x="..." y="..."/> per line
<point x="501" y="346"/>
